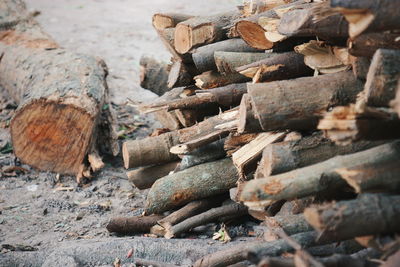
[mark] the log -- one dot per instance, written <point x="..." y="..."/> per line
<point x="232" y="211"/>
<point x="203" y="56"/>
<point x="369" y="15"/>
<point x="198" y="182"/>
<point x="395" y="104"/>
<point x="153" y="75"/>
<point x="168" y="20"/>
<point x="181" y="74"/>
<point x="200" y="31"/>
<point x="337" y="220"/>
<point x="144" y="178"/>
<point x="282" y="66"/>
<point x="295" y="104"/>
<point x="366" y="44"/>
<point x="360" y="66"/>
<point x="167" y="38"/>
<point x="286" y="156"/>
<point x="235" y="141"/>
<point x="253" y="34"/>
<point x="312" y="179"/>
<point x="144" y="262"/>
<point x="291" y="224"/>
<point x="227" y="62"/>
<point x="60" y="96"/>
<point x="382" y="78"/>
<point x="132" y="225"/>
<point x="149" y="151"/>
<point x="168" y="119"/>
<point x="212" y="79"/>
<point x="247" y="121"/>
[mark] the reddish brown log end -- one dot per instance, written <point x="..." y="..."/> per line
<point x="253" y="34"/>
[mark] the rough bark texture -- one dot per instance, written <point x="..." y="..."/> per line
<point x="295" y="104"/>
<point x="198" y="182"/>
<point x="203" y="57"/>
<point x="383" y="74"/>
<point x="313" y="179"/>
<point x="144" y="178"/>
<point x="212" y="79"/>
<point x="153" y="75"/>
<point x="133" y="225"/>
<point x="371" y="214"/>
<point x="227" y="62"/>
<point x="168" y="119"/>
<point x="366" y="44"/>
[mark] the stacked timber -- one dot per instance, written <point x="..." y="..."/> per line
<point x="287" y="111"/>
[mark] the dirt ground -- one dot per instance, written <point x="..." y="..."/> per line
<point x="47" y="212"/>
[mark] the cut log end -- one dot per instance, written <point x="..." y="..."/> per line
<point x="50" y="135"/>
<point x="183" y="42"/>
<point x="162" y="21"/>
<point x="253" y="34"/>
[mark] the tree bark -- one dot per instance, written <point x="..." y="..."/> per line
<point x="383" y="74"/>
<point x="227" y="62"/>
<point x="203" y="57"/>
<point x="366" y="44"/>
<point x="212" y="79"/>
<point x="198" y="182"/>
<point x="295" y="104"/>
<point x="312" y="179"/>
<point x="153" y="75"/>
<point x="347" y="219"/>
<point x="144" y="178"/>
<point x="133" y="225"/>
<point x="200" y="31"/>
<point x="168" y="20"/>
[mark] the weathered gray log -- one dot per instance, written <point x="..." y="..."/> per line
<point x="366" y="44"/>
<point x="313" y="179"/>
<point x="133" y="225"/>
<point x="296" y="104"/>
<point x="145" y="177"/>
<point x="371" y="214"/>
<point x="383" y="74"/>
<point x="200" y="31"/>
<point x="232" y="211"/>
<point x="227" y="62"/>
<point x="286" y="156"/>
<point x="203" y="56"/>
<point x="198" y="182"/>
<point x="153" y="75"/>
<point x="168" y="20"/>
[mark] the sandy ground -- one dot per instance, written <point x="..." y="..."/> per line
<point x="43" y="211"/>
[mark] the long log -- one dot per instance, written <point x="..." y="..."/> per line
<point x="384" y="72"/>
<point x="133" y="225"/>
<point x="213" y="79"/>
<point x="145" y="177"/>
<point x="227" y="62"/>
<point x="295" y="104"/>
<point x="366" y="44"/>
<point x="313" y="179"/>
<point x="198" y="182"/>
<point x="203" y="56"/>
<point x="153" y="75"/>
<point x="200" y="31"/>
<point x="61" y="96"/>
<point x="369" y="15"/>
<point x="347" y="219"/>
<point x="286" y="156"/>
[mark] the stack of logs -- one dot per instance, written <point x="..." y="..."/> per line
<point x="289" y="109"/>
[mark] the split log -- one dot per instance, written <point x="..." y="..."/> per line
<point x="366" y="44"/>
<point x="235" y="141"/>
<point x="203" y="56"/>
<point x="291" y="224"/>
<point x="295" y="104"/>
<point x="248" y="123"/>
<point x="133" y="225"/>
<point x="277" y="67"/>
<point x="144" y="178"/>
<point x="245" y="159"/>
<point x="369" y="15"/>
<point x="198" y="182"/>
<point x="61" y="96"/>
<point x="153" y="75"/>
<point x="200" y="31"/>
<point x="149" y="151"/>
<point x="168" y="20"/>
<point x="360" y="66"/>
<point x="212" y="79"/>
<point x="382" y="78"/>
<point x="312" y="179"/>
<point x="286" y="156"/>
<point x="181" y="74"/>
<point x="232" y="210"/>
<point x="346" y="219"/>
<point x="227" y="62"/>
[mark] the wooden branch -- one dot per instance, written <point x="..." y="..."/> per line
<point x="248" y="123"/>
<point x="295" y="104"/>
<point x="277" y="67"/>
<point x="286" y="156"/>
<point x="212" y="79"/>
<point x="227" y="62"/>
<point x="200" y="31"/>
<point x="382" y="78"/>
<point x="231" y="210"/>
<point x="132" y="225"/>
<point x="366" y="44"/>
<point x="346" y="219"/>
<point x="203" y="56"/>
<point x="198" y="182"/>
<point x="144" y="178"/>
<point x="168" y="20"/>
<point x="312" y="179"/>
<point x="153" y="75"/>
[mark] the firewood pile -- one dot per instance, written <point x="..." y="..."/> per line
<point x="291" y="108"/>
